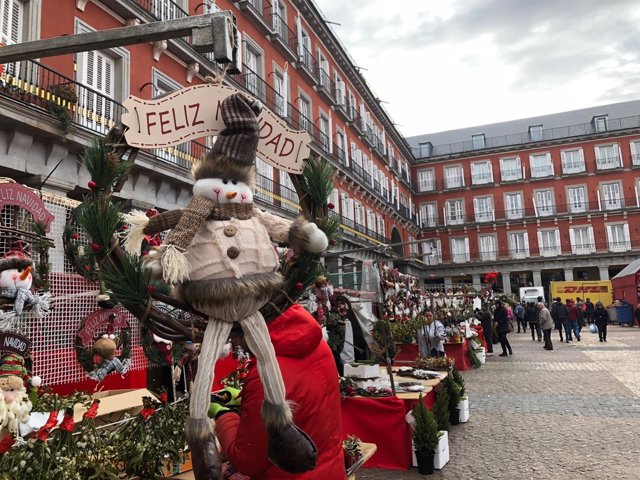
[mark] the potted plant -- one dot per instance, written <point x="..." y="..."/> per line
<point x="425" y="437"/>
<point x="453" y="390"/>
<point x="463" y="405"/>
<point x="441" y="409"/>
<point x="352" y="451"/>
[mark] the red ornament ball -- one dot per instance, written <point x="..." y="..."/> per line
<point x="86" y="268"/>
<point x="333" y="242"/>
<point x="92" y="185"/>
<point x="299" y="286"/>
<point x="74" y="236"/>
<point x="330" y="206"/>
<point x="151" y="289"/>
<point x="96" y="247"/>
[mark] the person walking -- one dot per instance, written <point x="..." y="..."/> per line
<point x="601" y="317"/>
<point x="546" y="324"/>
<point x="571" y="325"/>
<point x="531" y="317"/>
<point x="518" y="311"/>
<point x="589" y="308"/>
<point x="502" y="320"/>
<point x="559" y="315"/>
<point x="486" y="320"/>
<point x="581" y="317"/>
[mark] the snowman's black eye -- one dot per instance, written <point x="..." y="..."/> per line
<point x="234" y="182"/>
<point x="20" y="269"/>
<point x="225" y="181"/>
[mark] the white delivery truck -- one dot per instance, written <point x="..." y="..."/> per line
<point x="531" y="294"/>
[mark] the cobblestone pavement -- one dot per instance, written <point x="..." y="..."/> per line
<point x="573" y="413"/>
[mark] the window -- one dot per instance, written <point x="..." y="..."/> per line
<point x="162" y="84"/>
<point x="425" y="149"/>
<point x="519" y="244"/>
<point x="510" y="169"/>
<point x="478" y="141"/>
<point x="535" y="133"/>
<point x="359" y="212"/>
<point x="577" y="199"/>
<point x="413" y="247"/>
<point x="541" y="165"/>
<point x="381" y="227"/>
<point x="488" y="247"/>
<point x="454" y="212"/>
<point x="341" y="146"/>
<point x="453" y="177"/>
<point x="543" y="201"/>
<point x="325" y="135"/>
<point x="481" y="172"/>
<point x="611" y="199"/>
<point x="280" y="18"/>
<point x="254" y="71"/>
<point x="513" y="206"/>
<point x="288" y="193"/>
<point x="346" y="206"/>
<point x="618" y="237"/>
<point x="371" y="220"/>
<point x="264" y="181"/>
<point x="352" y="109"/>
<point x="600" y="123"/>
<point x="635" y="152"/>
<point x="166" y="9"/>
<point x="340" y="91"/>
<point x="572" y="160"/>
<point x="429" y="214"/>
<point x="426" y="180"/>
<point x="460" y="250"/>
<point x="549" y="243"/>
<point x="607" y="156"/>
<point x="280" y="85"/>
<point x="11" y="18"/>
<point x="334" y="198"/>
<point x="582" y="242"/>
<point x="432" y="251"/>
<point x="483" y="207"/>
<point x="323" y="70"/>
<point x="305" y="50"/>
<point x="304" y="104"/>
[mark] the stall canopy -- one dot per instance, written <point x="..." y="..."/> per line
<point x="626" y="284"/>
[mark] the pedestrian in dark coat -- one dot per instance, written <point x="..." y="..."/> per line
<point x="559" y="315"/>
<point x="502" y="327"/>
<point x="486" y="320"/>
<point x="601" y="317"/>
<point x="531" y="317"/>
<point x="590" y="307"/>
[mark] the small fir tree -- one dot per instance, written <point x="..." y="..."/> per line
<point x="425" y="429"/>
<point x="441" y="410"/>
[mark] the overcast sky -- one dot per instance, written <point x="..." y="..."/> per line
<point x="447" y="64"/>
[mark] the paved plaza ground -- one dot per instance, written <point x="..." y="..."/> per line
<point x="573" y="413"/>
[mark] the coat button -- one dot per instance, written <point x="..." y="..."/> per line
<point x="233" y="252"/>
<point x="229" y="231"/>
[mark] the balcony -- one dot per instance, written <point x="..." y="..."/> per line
<point x="368" y="136"/>
<point x="358" y="124"/>
<point x="505" y="142"/>
<point x="162" y="10"/>
<point x="283" y="38"/>
<point x="608" y="163"/>
<point x="306" y="66"/>
<point x="352" y="228"/>
<point x="325" y="85"/>
<point x="259" y="13"/>
<point x="511" y="175"/>
<point x="340" y="102"/>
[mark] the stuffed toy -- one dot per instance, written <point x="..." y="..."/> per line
<point x="16" y="280"/>
<point x="16" y="388"/>
<point x="105" y="348"/>
<point x="220" y="257"/>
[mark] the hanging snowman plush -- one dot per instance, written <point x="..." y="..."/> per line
<point x="219" y="255"/>
<point x="16" y="279"/>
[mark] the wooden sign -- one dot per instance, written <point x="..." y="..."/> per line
<point x="194" y="112"/>
<point x="96" y="320"/>
<point x="14" y="343"/>
<point x="23" y="197"/>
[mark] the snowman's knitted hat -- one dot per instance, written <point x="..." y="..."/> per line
<point x="234" y="152"/>
<point x="16" y="257"/>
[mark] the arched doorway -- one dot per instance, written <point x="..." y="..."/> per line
<point x="396" y="238"/>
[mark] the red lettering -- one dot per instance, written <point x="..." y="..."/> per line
<point x="287" y="143"/>
<point x="264" y="126"/>
<point x="275" y="141"/>
<point x="149" y="123"/>
<point x="175" y="121"/>
<point x="164" y="122"/>
<point x="194" y="120"/>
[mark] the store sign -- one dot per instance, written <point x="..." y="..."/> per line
<point x="14" y="343"/>
<point x="584" y="289"/>
<point x="97" y="320"/>
<point x="195" y="112"/>
<point x="23" y="197"/>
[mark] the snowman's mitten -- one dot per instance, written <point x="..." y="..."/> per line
<point x="304" y="235"/>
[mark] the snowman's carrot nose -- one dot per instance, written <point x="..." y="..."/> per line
<point x="231" y="195"/>
<point x="25" y="273"/>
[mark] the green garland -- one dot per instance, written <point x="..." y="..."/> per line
<point x="85" y="355"/>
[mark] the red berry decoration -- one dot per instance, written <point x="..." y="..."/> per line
<point x="74" y="236"/>
<point x="333" y="242"/>
<point x="92" y="185"/>
<point x="151" y="289"/>
<point x="86" y="268"/>
<point x="330" y="206"/>
<point x="96" y="247"/>
<point x="299" y="286"/>
<point x="124" y="227"/>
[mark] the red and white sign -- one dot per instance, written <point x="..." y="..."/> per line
<point x="194" y="112"/>
<point x="23" y="197"/>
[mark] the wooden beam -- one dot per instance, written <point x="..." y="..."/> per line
<point x="216" y="32"/>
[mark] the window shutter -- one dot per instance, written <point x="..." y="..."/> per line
<point x="616" y="153"/>
<point x="285" y="92"/>
<point x="558" y="246"/>
<point x="625" y="229"/>
<point x="475" y="208"/>
<point x="592" y="240"/>
<point x="462" y="175"/>
<point x="526" y="243"/>
<point x="572" y="239"/>
<point x="466" y="249"/>
<point x="490" y="171"/>
<point x="541" y="250"/>
<point x="550" y="162"/>
<point x="501" y="168"/>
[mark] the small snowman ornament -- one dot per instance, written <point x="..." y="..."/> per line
<point x="16" y="279"/>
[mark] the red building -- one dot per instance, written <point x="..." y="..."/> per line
<point x="537" y="200"/>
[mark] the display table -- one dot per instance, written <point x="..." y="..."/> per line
<point x="459" y="352"/>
